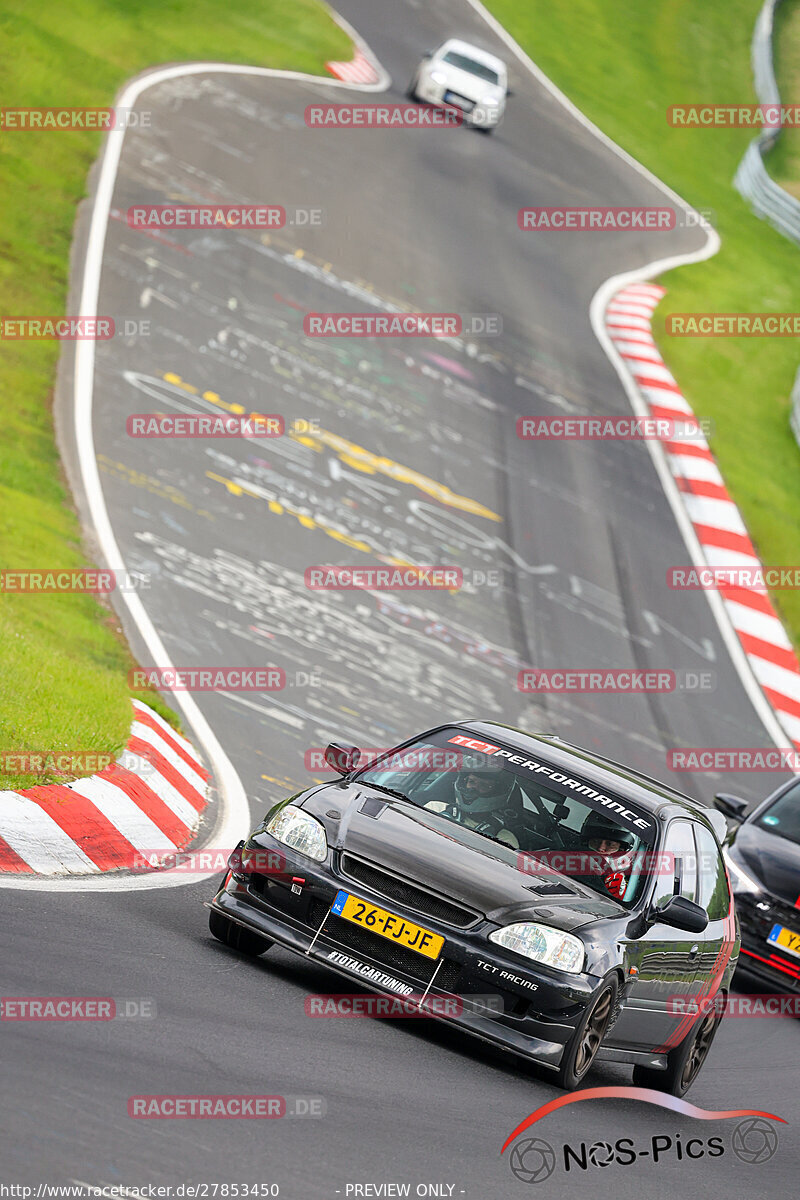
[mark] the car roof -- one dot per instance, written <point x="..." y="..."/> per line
<point x="657" y="797"/>
<point x="481" y="56"/>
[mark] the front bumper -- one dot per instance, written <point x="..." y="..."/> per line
<point x="760" y="958"/>
<point x="473" y="113"/>
<point x="531" y="1010"/>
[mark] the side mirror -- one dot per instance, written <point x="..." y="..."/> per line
<point x="732" y="806"/>
<point x="681" y="913"/>
<point x="678" y="912"/>
<point x="427" y="54"/>
<point x="343" y="759"/>
<point x="509" y="91"/>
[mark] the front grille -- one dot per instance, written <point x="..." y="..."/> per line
<point x="405" y="893"/>
<point x="375" y="949"/>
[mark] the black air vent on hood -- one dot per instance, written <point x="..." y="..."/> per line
<point x="550" y="889"/>
<point x="373" y="806"/>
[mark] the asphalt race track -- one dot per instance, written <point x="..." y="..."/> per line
<point x="575" y="539"/>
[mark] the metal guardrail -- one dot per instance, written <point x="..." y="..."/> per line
<point x="794" y="416"/>
<point x="752" y="180"/>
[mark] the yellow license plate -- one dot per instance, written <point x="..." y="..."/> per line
<point x="787" y="939"/>
<point x="388" y="925"/>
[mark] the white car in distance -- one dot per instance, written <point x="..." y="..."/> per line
<point x="461" y="76"/>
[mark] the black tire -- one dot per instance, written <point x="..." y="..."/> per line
<point x="684" y="1062"/>
<point x="236" y="936"/>
<point x="582" y="1047"/>
<point x="411" y="90"/>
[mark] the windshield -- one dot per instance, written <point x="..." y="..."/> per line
<point x="783" y="817"/>
<point x="468" y="64"/>
<point x="554" y="822"/>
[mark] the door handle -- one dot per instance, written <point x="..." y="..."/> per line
<point x="694" y="951"/>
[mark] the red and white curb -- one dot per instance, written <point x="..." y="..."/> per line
<point x="109" y="821"/>
<point x="716" y="519"/>
<point x="360" y="70"/>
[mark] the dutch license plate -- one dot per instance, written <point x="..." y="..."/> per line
<point x="787" y="939"/>
<point x="396" y="929"/>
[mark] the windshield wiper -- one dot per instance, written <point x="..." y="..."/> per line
<point x="381" y="787"/>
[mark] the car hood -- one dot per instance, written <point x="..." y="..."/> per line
<point x="467" y="84"/>
<point x="773" y="860"/>
<point x="453" y="861"/>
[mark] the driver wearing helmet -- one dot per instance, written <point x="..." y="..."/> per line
<point x="609" y="850"/>
<point x="481" y="800"/>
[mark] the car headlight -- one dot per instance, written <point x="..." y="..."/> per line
<point x="490" y="102"/>
<point x="741" y="880"/>
<point x="300" y="831"/>
<point x="437" y="77"/>
<point x="552" y="947"/>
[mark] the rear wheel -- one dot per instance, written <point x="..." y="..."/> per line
<point x="684" y="1062"/>
<point x="581" y="1050"/>
<point x="236" y="936"/>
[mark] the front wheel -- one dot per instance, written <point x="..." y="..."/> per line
<point x="411" y="90"/>
<point x="581" y="1049"/>
<point x="684" y="1062"/>
<point x="236" y="936"/>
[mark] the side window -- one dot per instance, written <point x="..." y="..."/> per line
<point x="681" y="877"/>
<point x="713" y="885"/>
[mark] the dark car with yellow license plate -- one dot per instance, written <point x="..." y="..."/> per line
<point x="584" y="915"/>
<point x="763" y="858"/>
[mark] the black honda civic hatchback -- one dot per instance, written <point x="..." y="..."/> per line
<point x="549" y="901"/>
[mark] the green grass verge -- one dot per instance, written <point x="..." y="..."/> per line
<point x="783" y="162"/>
<point x="63" y="661"/>
<point x="623" y="64"/>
